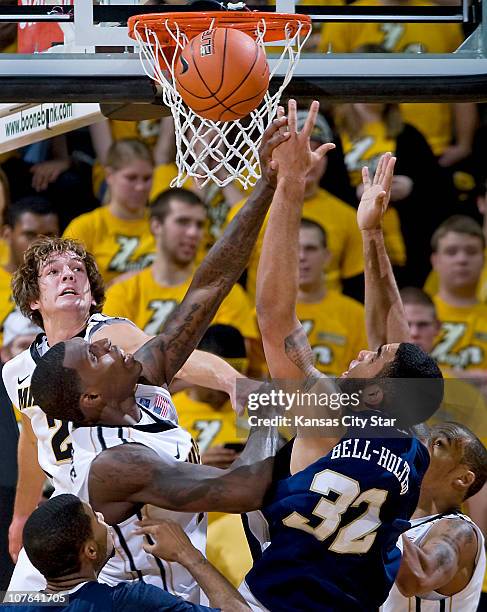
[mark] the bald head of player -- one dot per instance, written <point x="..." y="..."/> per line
<point x="88" y="383"/>
<point x="458" y="466"/>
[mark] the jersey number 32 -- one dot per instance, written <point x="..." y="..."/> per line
<point x="357" y="536"/>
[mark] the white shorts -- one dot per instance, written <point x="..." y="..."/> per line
<point x="25" y="576"/>
<point x="252" y="602"/>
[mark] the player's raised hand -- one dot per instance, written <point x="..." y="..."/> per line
<point x="294" y="157"/>
<point x="170" y="541"/>
<point x="376" y="195"/>
<point x="272" y="137"/>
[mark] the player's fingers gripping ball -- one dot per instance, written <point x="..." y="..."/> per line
<point x="222" y="74"/>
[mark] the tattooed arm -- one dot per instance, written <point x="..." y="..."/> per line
<point x="278" y="274"/>
<point x="164" y="355"/>
<point x="444" y="562"/>
<point x="382" y="300"/>
<point x="127" y="476"/>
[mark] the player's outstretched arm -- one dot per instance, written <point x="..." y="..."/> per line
<point x="163" y="356"/>
<point x="384" y="313"/>
<point x="132" y="474"/>
<point x="444" y="562"/>
<point x="208" y="370"/>
<point x="172" y="544"/>
<point x="277" y="275"/>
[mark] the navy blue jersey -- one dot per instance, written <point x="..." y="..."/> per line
<point x="125" y="597"/>
<point x="333" y="526"/>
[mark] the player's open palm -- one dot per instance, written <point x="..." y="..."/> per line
<point x="376" y="195"/>
<point x="294" y="157"/>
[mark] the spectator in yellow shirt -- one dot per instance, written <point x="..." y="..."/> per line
<point x="105" y="133"/>
<point x="345" y="268"/>
<point x="431" y="284"/>
<point x="370" y="130"/>
<point x="177" y="221"/>
<point x="118" y="234"/>
<point x="25" y="220"/>
<point x="458" y="258"/>
<point x="334" y="323"/>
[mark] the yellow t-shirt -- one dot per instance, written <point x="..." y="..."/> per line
<point x="118" y="245"/>
<point x="482" y="286"/>
<point x="432" y="284"/>
<point x="227" y="548"/>
<point x="344" y="240"/>
<point x="462" y="341"/>
<point x="7" y="304"/>
<point x="146" y="130"/>
<point x="366" y="149"/>
<point x="433" y="120"/>
<point x="336" y="331"/>
<point x="161" y="180"/>
<point x="148" y="304"/>
<point x="207" y="425"/>
<point x="393" y="238"/>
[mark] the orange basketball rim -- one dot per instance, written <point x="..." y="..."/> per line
<point x="274" y="26"/>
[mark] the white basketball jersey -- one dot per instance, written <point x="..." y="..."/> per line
<point x="466" y="600"/>
<point x="172" y="444"/>
<point x="53" y="436"/>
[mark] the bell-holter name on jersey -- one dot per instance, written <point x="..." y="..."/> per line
<point x="360" y="448"/>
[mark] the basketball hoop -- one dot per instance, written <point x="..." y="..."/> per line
<point x="213" y="150"/>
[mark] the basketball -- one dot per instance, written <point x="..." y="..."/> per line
<point x="222" y="74"/>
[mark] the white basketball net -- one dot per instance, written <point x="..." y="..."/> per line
<point x="214" y="150"/>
